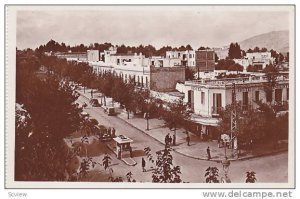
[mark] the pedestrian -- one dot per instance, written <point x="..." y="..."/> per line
<point x="167" y="140"/>
<point x="170" y="140"/>
<point x="208" y="153"/>
<point x="188" y="139"/>
<point x="113" y="132"/>
<point x="143" y="164"/>
<point x="130" y="151"/>
<point x="174" y="139"/>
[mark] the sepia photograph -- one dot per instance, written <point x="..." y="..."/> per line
<point x="185" y="96"/>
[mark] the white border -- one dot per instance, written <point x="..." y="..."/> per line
<point x="10" y="114"/>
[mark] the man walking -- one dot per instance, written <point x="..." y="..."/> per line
<point x="166" y="140"/>
<point x="174" y="139"/>
<point x="143" y="164"/>
<point x="188" y="139"/>
<point x="208" y="153"/>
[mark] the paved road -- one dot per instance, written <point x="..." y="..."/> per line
<point x="268" y="169"/>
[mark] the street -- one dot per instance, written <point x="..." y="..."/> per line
<point x="264" y="167"/>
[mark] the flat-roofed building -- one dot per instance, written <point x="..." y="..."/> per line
<point x="207" y="98"/>
<point x="93" y="55"/>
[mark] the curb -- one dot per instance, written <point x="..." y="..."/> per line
<point x="205" y="159"/>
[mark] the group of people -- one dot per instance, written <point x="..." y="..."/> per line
<point x="169" y="140"/>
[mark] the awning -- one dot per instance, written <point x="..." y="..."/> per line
<point x="209" y="121"/>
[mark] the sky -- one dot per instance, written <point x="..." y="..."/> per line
<point x="158" y="26"/>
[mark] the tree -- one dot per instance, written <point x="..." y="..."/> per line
<point x="256" y="49"/>
<point x="41" y="153"/>
<point x="263" y="50"/>
<point x="228" y="64"/>
<point x="188" y="47"/>
<point x="236" y="67"/>
<point x="252" y="68"/>
<point x="176" y="115"/>
<point x="249" y="50"/>
<point x="189" y="73"/>
<point x="234" y="51"/>
<point x="250" y="177"/>
<point x="250" y="124"/>
<point x="272" y="73"/>
<point x="211" y="175"/>
<point x="201" y="48"/>
<point x="216" y="58"/>
<point x="164" y="171"/>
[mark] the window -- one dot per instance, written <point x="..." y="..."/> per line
<point x="217" y="103"/>
<point x="202" y="97"/>
<point x="257" y="96"/>
<point x="287" y="93"/>
<point x="269" y="96"/>
<point x="245" y="98"/>
<point x="278" y="95"/>
<point x="146" y="81"/>
<point x="142" y="80"/>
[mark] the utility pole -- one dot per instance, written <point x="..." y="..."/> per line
<point x="233" y="120"/>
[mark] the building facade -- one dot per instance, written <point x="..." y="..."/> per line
<point x="187" y="57"/>
<point x="207" y="98"/>
<point x="144" y="72"/>
<point x="72" y="56"/>
<point x="93" y="55"/>
<point x="260" y="59"/>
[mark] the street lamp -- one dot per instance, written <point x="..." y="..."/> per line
<point x="147" y="114"/>
<point x="147" y="118"/>
<point x="225" y="163"/>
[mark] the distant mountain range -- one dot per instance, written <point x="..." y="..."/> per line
<point x="277" y="40"/>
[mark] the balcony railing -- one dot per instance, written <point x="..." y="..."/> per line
<point x="246" y="107"/>
<point x="215" y="111"/>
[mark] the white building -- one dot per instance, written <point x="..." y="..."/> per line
<point x="207" y="98"/>
<point x="144" y="72"/>
<point x="93" y="55"/>
<point x="186" y="57"/>
<point x="72" y="56"/>
<point x="260" y="59"/>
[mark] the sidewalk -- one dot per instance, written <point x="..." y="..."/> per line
<point x="197" y="148"/>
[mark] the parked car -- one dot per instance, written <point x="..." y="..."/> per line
<point x="95" y="103"/>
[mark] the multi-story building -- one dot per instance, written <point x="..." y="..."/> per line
<point x="144" y="72"/>
<point x="186" y="57"/>
<point x="207" y="98"/>
<point x="260" y="59"/>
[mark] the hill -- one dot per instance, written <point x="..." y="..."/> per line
<point x="277" y="40"/>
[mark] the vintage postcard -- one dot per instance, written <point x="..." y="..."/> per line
<point x="189" y="96"/>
